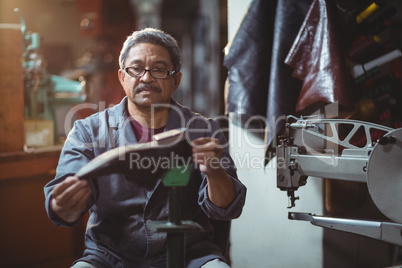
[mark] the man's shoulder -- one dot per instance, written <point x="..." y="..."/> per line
<point x="187" y="112"/>
<point x="189" y="119"/>
<point x="111" y="116"/>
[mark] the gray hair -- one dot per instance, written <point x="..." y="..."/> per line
<point x="152" y="36"/>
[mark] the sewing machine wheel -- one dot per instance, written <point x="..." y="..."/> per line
<point x="384" y="175"/>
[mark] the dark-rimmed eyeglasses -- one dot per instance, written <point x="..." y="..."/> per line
<point x="155" y="73"/>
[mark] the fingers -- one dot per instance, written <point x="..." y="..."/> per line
<point x="207" y="144"/>
<point x="60" y="188"/>
<point x="72" y="192"/>
<point x="207" y="153"/>
<point x="200" y="142"/>
<point x="206" y="158"/>
<point x="69" y="198"/>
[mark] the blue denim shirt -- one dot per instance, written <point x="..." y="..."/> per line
<point x="120" y="207"/>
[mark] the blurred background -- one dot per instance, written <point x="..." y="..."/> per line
<point x="59" y="63"/>
<point x="81" y="40"/>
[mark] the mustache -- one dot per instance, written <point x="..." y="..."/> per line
<point x="142" y="87"/>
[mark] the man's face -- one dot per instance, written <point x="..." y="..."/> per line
<point x="145" y="90"/>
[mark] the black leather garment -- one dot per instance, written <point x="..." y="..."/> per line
<point x="259" y="82"/>
<point x="288" y="58"/>
<point x="248" y="60"/>
<point x="284" y="89"/>
<point x="317" y="58"/>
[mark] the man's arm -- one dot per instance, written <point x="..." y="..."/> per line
<point x="69" y="199"/>
<point x="207" y="152"/>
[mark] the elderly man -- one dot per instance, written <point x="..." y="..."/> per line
<point x="119" y="207"/>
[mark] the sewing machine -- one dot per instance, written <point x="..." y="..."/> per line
<point x="344" y="150"/>
<point x="44" y="93"/>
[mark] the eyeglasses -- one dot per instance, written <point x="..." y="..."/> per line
<point x="155" y="73"/>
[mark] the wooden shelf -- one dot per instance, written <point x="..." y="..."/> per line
<point x="21" y="164"/>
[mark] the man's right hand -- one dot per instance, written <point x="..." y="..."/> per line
<point x="69" y="198"/>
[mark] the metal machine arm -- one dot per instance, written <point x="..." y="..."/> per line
<point x="385" y="231"/>
<point x="345" y="150"/>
